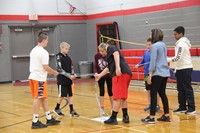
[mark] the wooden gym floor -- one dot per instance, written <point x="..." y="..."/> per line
<point x="16" y="112"/>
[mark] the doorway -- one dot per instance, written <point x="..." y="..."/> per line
<point x="110" y="30"/>
<point x="22" y="40"/>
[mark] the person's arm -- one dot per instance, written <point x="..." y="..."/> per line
<point x="50" y="70"/>
<point x="153" y="56"/>
<point x="104" y="72"/>
<point x="72" y="67"/>
<point x="45" y="64"/>
<point x="95" y="63"/>
<point x="152" y="66"/>
<point x="73" y="74"/>
<point x="141" y="63"/>
<point x="178" y="54"/>
<point x="117" y="63"/>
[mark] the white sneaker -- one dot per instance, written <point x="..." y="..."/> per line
<point x="102" y="112"/>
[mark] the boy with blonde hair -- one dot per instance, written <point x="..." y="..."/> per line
<point x="64" y="81"/>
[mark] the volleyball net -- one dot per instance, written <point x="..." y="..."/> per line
<point x="134" y="56"/>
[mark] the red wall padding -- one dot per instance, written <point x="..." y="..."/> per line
<point x="137" y="76"/>
<point x="125" y="52"/>
<point x="198" y="51"/>
<point x="193" y="52"/>
<point x="170" y="52"/>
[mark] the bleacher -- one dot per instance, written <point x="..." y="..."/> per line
<point x="134" y="56"/>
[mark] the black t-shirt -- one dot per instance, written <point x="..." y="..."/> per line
<point x="111" y="62"/>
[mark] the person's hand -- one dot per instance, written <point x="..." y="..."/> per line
<point x="136" y="66"/>
<point x="75" y="75"/>
<point x="72" y="77"/>
<point x="55" y="73"/>
<point x="175" y="74"/>
<point x="149" y="80"/>
<point x="97" y="77"/>
<point x="118" y="71"/>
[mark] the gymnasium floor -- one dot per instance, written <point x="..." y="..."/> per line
<point x="16" y="112"/>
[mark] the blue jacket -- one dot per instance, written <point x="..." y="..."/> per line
<point x="145" y="61"/>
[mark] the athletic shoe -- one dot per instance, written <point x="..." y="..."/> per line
<point x="190" y="111"/>
<point x="179" y="110"/>
<point x="147" y="108"/>
<point x="52" y="121"/>
<point x="58" y="112"/>
<point x="164" y="118"/>
<point x="38" y="124"/>
<point x="74" y="114"/>
<point x="148" y="120"/>
<point x="157" y="108"/>
<point x="125" y="119"/>
<point x="111" y="121"/>
<point x="102" y="112"/>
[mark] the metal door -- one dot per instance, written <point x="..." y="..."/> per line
<point x="23" y="39"/>
<point x="21" y="44"/>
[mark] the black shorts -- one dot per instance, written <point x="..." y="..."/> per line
<point x="64" y="90"/>
<point x="147" y="86"/>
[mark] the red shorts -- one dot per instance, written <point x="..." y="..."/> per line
<point x="120" y="86"/>
<point x="38" y="89"/>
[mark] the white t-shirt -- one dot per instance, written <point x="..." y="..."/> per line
<point x="38" y="57"/>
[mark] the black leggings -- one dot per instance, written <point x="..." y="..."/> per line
<point x="101" y="83"/>
<point x="158" y="86"/>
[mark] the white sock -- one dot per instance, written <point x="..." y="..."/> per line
<point x="35" y="118"/>
<point x="48" y="115"/>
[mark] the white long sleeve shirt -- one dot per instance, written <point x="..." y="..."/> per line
<point x="182" y="54"/>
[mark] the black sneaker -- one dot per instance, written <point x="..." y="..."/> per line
<point x="111" y="121"/>
<point x="38" y="124"/>
<point x="190" y="111"/>
<point x="179" y="110"/>
<point x="164" y="118"/>
<point x="52" y="122"/>
<point x="74" y="114"/>
<point x="148" y="120"/>
<point x="58" y="112"/>
<point x="125" y="119"/>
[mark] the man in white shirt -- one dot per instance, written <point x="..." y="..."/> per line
<point x="183" y="72"/>
<point x="39" y="68"/>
